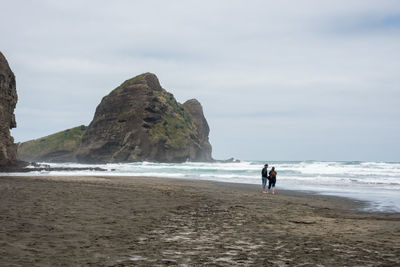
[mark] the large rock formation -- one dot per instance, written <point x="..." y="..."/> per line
<point x="8" y="100"/>
<point x="141" y="121"/>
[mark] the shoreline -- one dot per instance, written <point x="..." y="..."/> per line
<point x="125" y="220"/>
<point x="365" y="205"/>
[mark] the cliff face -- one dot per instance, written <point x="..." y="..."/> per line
<point x="199" y="123"/>
<point x="141" y="121"/>
<point x="8" y="100"/>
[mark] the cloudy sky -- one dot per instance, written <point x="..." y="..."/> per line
<point x="278" y="80"/>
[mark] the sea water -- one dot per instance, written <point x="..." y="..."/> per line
<point x="375" y="182"/>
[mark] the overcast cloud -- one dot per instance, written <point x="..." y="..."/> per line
<point x="278" y="80"/>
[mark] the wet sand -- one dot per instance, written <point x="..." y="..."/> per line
<point x="129" y="221"/>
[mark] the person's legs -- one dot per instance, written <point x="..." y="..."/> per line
<point x="273" y="187"/>
<point x="264" y="184"/>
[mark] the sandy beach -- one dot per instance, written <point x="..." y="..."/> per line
<point x="143" y="221"/>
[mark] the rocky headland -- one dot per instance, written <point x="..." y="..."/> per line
<point x="8" y="101"/>
<point x="137" y="121"/>
<point x="141" y="121"/>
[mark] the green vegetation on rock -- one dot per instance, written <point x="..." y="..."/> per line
<point x="68" y="141"/>
<point x="172" y="131"/>
<point x="175" y="129"/>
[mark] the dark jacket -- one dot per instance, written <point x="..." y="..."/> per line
<point x="272" y="175"/>
<point x="264" y="172"/>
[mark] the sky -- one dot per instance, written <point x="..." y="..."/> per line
<point x="278" y="80"/>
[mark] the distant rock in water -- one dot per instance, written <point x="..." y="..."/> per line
<point x="58" y="147"/>
<point x="8" y="101"/>
<point x="141" y="121"/>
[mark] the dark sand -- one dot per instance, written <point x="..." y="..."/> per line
<point x="124" y="221"/>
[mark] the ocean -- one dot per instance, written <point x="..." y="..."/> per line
<point x="378" y="183"/>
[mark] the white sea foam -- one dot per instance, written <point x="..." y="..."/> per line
<point x="373" y="181"/>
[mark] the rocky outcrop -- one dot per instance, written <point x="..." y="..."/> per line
<point x="199" y="123"/>
<point x="141" y="121"/>
<point x="58" y="147"/>
<point x="8" y="101"/>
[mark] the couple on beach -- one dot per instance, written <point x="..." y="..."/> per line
<point x="271" y="177"/>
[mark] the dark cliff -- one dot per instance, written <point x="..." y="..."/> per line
<point x="141" y="121"/>
<point x="199" y="123"/>
<point x="8" y="101"/>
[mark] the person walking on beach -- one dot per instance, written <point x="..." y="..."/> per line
<point x="264" y="177"/>
<point x="272" y="180"/>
